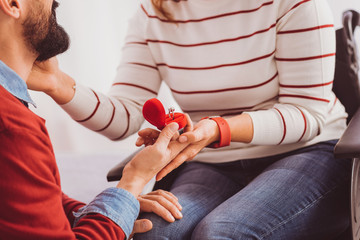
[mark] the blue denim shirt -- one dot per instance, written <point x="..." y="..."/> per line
<point x="13" y="83"/>
<point x="117" y="204"/>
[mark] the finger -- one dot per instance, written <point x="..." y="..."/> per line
<point x="192" y="136"/>
<point x="171" y="194"/>
<point x="144" y="141"/>
<point x="176" y="136"/>
<point x="149" y="132"/>
<point x="188" y="128"/>
<point x="189" y="125"/>
<point x="162" y="192"/>
<point x="171" y="166"/>
<point x="157" y="206"/>
<point x="141" y="226"/>
<point x="163" y="201"/>
<point x="175" y="148"/>
<point x="190" y="152"/>
<point x="166" y="135"/>
<point x="186" y="155"/>
<point x="149" y="141"/>
<point x="140" y="141"/>
<point x="168" y="195"/>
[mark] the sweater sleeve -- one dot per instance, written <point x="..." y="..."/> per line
<point x="32" y="205"/>
<point x="70" y="206"/>
<point x="118" y="114"/>
<point x="305" y="58"/>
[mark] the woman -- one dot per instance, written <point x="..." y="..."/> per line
<point x="266" y="67"/>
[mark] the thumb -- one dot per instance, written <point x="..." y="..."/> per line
<point x="166" y="135"/>
<point x="141" y="226"/>
<point x="192" y="136"/>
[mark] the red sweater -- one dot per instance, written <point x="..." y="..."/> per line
<point x="32" y="205"/>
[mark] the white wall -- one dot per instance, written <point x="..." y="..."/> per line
<point x="97" y="29"/>
<point x="338" y="6"/>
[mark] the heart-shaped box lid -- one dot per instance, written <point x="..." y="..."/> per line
<point x="154" y="112"/>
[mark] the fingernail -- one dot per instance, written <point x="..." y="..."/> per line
<point x="174" y="127"/>
<point x="172" y="218"/>
<point x="146" y="225"/>
<point x="179" y="214"/>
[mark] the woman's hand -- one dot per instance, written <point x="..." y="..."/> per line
<point x="160" y="202"/>
<point x="148" y="137"/>
<point x="48" y="78"/>
<point x="193" y="140"/>
<point x="204" y="133"/>
<point x="43" y="76"/>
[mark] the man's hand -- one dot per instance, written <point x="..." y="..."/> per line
<point x="141" y="226"/>
<point x="48" y="78"/>
<point x="148" y="137"/>
<point x="147" y="163"/>
<point x="204" y="133"/>
<point x="160" y="202"/>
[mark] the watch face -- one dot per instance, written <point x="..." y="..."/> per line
<point x="355" y="199"/>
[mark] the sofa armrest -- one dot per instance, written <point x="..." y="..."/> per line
<point x="349" y="143"/>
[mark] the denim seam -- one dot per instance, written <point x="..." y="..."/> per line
<point x="302" y="210"/>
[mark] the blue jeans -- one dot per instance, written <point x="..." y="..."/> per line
<point x="303" y="194"/>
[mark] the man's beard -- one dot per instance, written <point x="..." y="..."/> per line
<point x="43" y="34"/>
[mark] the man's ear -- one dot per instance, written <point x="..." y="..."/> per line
<point x="11" y="8"/>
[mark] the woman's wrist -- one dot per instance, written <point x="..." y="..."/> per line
<point x="64" y="91"/>
<point x="241" y="128"/>
<point x="222" y="135"/>
<point x="215" y="133"/>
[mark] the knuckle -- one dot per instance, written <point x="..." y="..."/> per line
<point x="168" y="134"/>
<point x="154" y="204"/>
<point x="157" y="198"/>
<point x="160" y="191"/>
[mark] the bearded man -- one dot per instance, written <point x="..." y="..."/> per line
<point x="32" y="205"/>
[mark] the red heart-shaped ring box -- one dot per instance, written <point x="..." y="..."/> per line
<point x="154" y="112"/>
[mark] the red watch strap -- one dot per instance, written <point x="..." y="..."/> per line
<point x="225" y="134"/>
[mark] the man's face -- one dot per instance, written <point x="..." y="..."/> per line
<point x="42" y="33"/>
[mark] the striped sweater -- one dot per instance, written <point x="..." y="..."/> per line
<point x="272" y="59"/>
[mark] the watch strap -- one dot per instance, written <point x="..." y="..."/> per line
<point x="224" y="129"/>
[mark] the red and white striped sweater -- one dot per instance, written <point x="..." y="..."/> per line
<point x="273" y="59"/>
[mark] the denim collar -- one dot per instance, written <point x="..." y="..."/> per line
<point x="14" y="84"/>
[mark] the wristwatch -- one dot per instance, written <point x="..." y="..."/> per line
<point x="225" y="135"/>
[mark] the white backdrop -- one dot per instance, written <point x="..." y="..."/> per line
<point x="97" y="29"/>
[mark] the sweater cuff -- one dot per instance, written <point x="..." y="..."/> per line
<point x="116" y="204"/>
<point x="266" y="130"/>
<point x="84" y="96"/>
